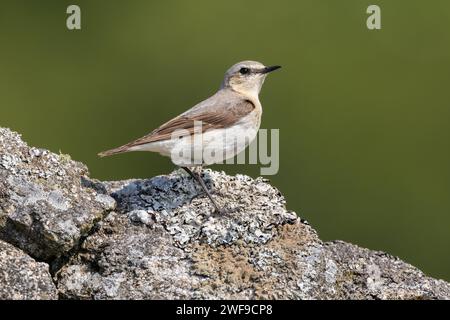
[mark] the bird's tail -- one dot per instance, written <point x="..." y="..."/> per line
<point x="111" y="152"/>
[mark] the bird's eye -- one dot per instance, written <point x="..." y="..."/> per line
<point x="244" y="70"/>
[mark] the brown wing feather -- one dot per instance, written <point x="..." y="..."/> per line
<point x="218" y="118"/>
<point x="212" y="119"/>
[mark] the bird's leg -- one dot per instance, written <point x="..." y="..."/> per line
<point x="193" y="177"/>
<point x="199" y="179"/>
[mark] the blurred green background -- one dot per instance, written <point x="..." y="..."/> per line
<point x="363" y="115"/>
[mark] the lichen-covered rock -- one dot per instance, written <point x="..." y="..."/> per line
<point x="254" y="208"/>
<point x="163" y="240"/>
<point x="124" y="260"/>
<point x="45" y="205"/>
<point x="159" y="245"/>
<point x="383" y="276"/>
<point x="23" y="278"/>
<point x="158" y="231"/>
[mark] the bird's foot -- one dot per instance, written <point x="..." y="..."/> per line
<point x="198" y="195"/>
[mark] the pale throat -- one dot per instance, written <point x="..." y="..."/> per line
<point x="251" y="92"/>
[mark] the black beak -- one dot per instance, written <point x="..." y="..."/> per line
<point x="270" y="69"/>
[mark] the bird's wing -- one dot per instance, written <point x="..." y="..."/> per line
<point x="211" y="117"/>
<point x="220" y="111"/>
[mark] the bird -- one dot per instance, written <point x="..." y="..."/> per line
<point x="213" y="130"/>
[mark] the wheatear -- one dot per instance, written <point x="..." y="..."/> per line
<point x="214" y="130"/>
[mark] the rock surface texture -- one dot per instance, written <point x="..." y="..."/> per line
<point x="45" y="207"/>
<point x="21" y="277"/>
<point x="154" y="239"/>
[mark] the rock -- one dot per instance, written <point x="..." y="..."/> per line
<point x="124" y="260"/>
<point x="383" y="276"/>
<point x="254" y="207"/>
<point x="45" y="206"/>
<point x="130" y="258"/>
<point x="159" y="245"/>
<point x="23" y="278"/>
<point x="162" y="240"/>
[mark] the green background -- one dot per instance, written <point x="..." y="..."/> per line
<point x="363" y="115"/>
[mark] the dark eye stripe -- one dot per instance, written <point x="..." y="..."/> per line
<point x="244" y="70"/>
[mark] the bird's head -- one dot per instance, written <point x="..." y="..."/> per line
<point x="247" y="77"/>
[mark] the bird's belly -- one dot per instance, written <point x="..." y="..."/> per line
<point x="220" y="145"/>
